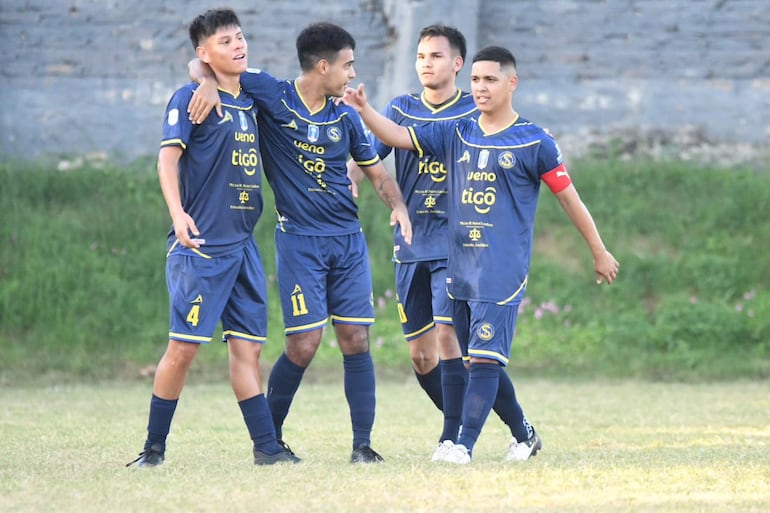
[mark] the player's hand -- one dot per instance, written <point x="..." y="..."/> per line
<point x="355" y="175"/>
<point x="606" y="268"/>
<point x="184" y="226"/>
<point x="203" y="100"/>
<point x="356" y="98"/>
<point x="353" y="188"/>
<point x="400" y="216"/>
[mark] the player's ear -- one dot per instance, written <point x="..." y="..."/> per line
<point x="202" y="54"/>
<point x="514" y="82"/>
<point x="322" y="66"/>
<point x="458" y="64"/>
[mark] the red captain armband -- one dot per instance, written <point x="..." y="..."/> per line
<point x="557" y="179"/>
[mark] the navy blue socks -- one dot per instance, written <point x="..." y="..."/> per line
<point x="483" y="382"/>
<point x="281" y="386"/>
<point x="161" y="414"/>
<point x="360" y="393"/>
<point x="454" y="378"/>
<point x="260" y="424"/>
<point x="509" y="409"/>
<point x="431" y="383"/>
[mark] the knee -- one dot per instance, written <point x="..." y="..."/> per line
<point x="301" y="349"/>
<point x="180" y="354"/>
<point x="424" y="353"/>
<point x="244" y="350"/>
<point x="448" y="345"/>
<point x="424" y="362"/>
<point x="353" y="339"/>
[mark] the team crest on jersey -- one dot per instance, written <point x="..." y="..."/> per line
<point x="312" y="133"/>
<point x="465" y="158"/>
<point x="483" y="159"/>
<point x="243" y="120"/>
<point x="486" y="331"/>
<point x="506" y="160"/>
<point x="334" y="134"/>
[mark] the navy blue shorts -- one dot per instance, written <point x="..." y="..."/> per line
<point x="422" y="298"/>
<point x="323" y="277"/>
<point x="204" y="290"/>
<point x="485" y="330"/>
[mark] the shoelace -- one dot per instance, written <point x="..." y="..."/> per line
<point x="141" y="455"/>
<point x="286" y="447"/>
<point x="371" y="452"/>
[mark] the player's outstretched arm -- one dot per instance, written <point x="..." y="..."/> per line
<point x="206" y="96"/>
<point x="605" y="265"/>
<point x="168" y="174"/>
<point x="384" y="129"/>
<point x="390" y="194"/>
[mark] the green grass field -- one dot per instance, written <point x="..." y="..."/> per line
<point x="608" y="446"/>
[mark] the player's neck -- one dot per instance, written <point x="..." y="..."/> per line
<point x="230" y="83"/>
<point x="492" y="122"/>
<point x="437" y="97"/>
<point x="312" y="95"/>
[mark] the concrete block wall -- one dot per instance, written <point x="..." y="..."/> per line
<point x="93" y="76"/>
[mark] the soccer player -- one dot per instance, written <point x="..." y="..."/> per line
<point x="424" y="306"/>
<point x="322" y="261"/>
<point x="213" y="267"/>
<point x="497" y="163"/>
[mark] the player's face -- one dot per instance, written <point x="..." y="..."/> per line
<point x="339" y="73"/>
<point x="491" y="86"/>
<point x="226" y="51"/>
<point x="436" y="64"/>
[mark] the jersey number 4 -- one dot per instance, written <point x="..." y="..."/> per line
<point x="193" y="315"/>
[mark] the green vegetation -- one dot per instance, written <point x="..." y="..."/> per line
<point x="82" y="288"/>
<point x="609" y="446"/>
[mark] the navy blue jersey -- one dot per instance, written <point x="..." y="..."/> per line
<point x="422" y="178"/>
<point x="220" y="170"/>
<point x="305" y="157"/>
<point x="494" y="182"/>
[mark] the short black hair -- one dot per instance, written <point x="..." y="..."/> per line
<point x="455" y="37"/>
<point x="322" y="40"/>
<point x="206" y="25"/>
<point x="498" y="54"/>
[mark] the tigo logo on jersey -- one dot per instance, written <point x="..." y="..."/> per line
<point x="434" y="168"/>
<point x="486" y="331"/>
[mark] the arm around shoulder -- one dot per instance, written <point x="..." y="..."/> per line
<point x="384" y="129"/>
<point x="205" y="96"/>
